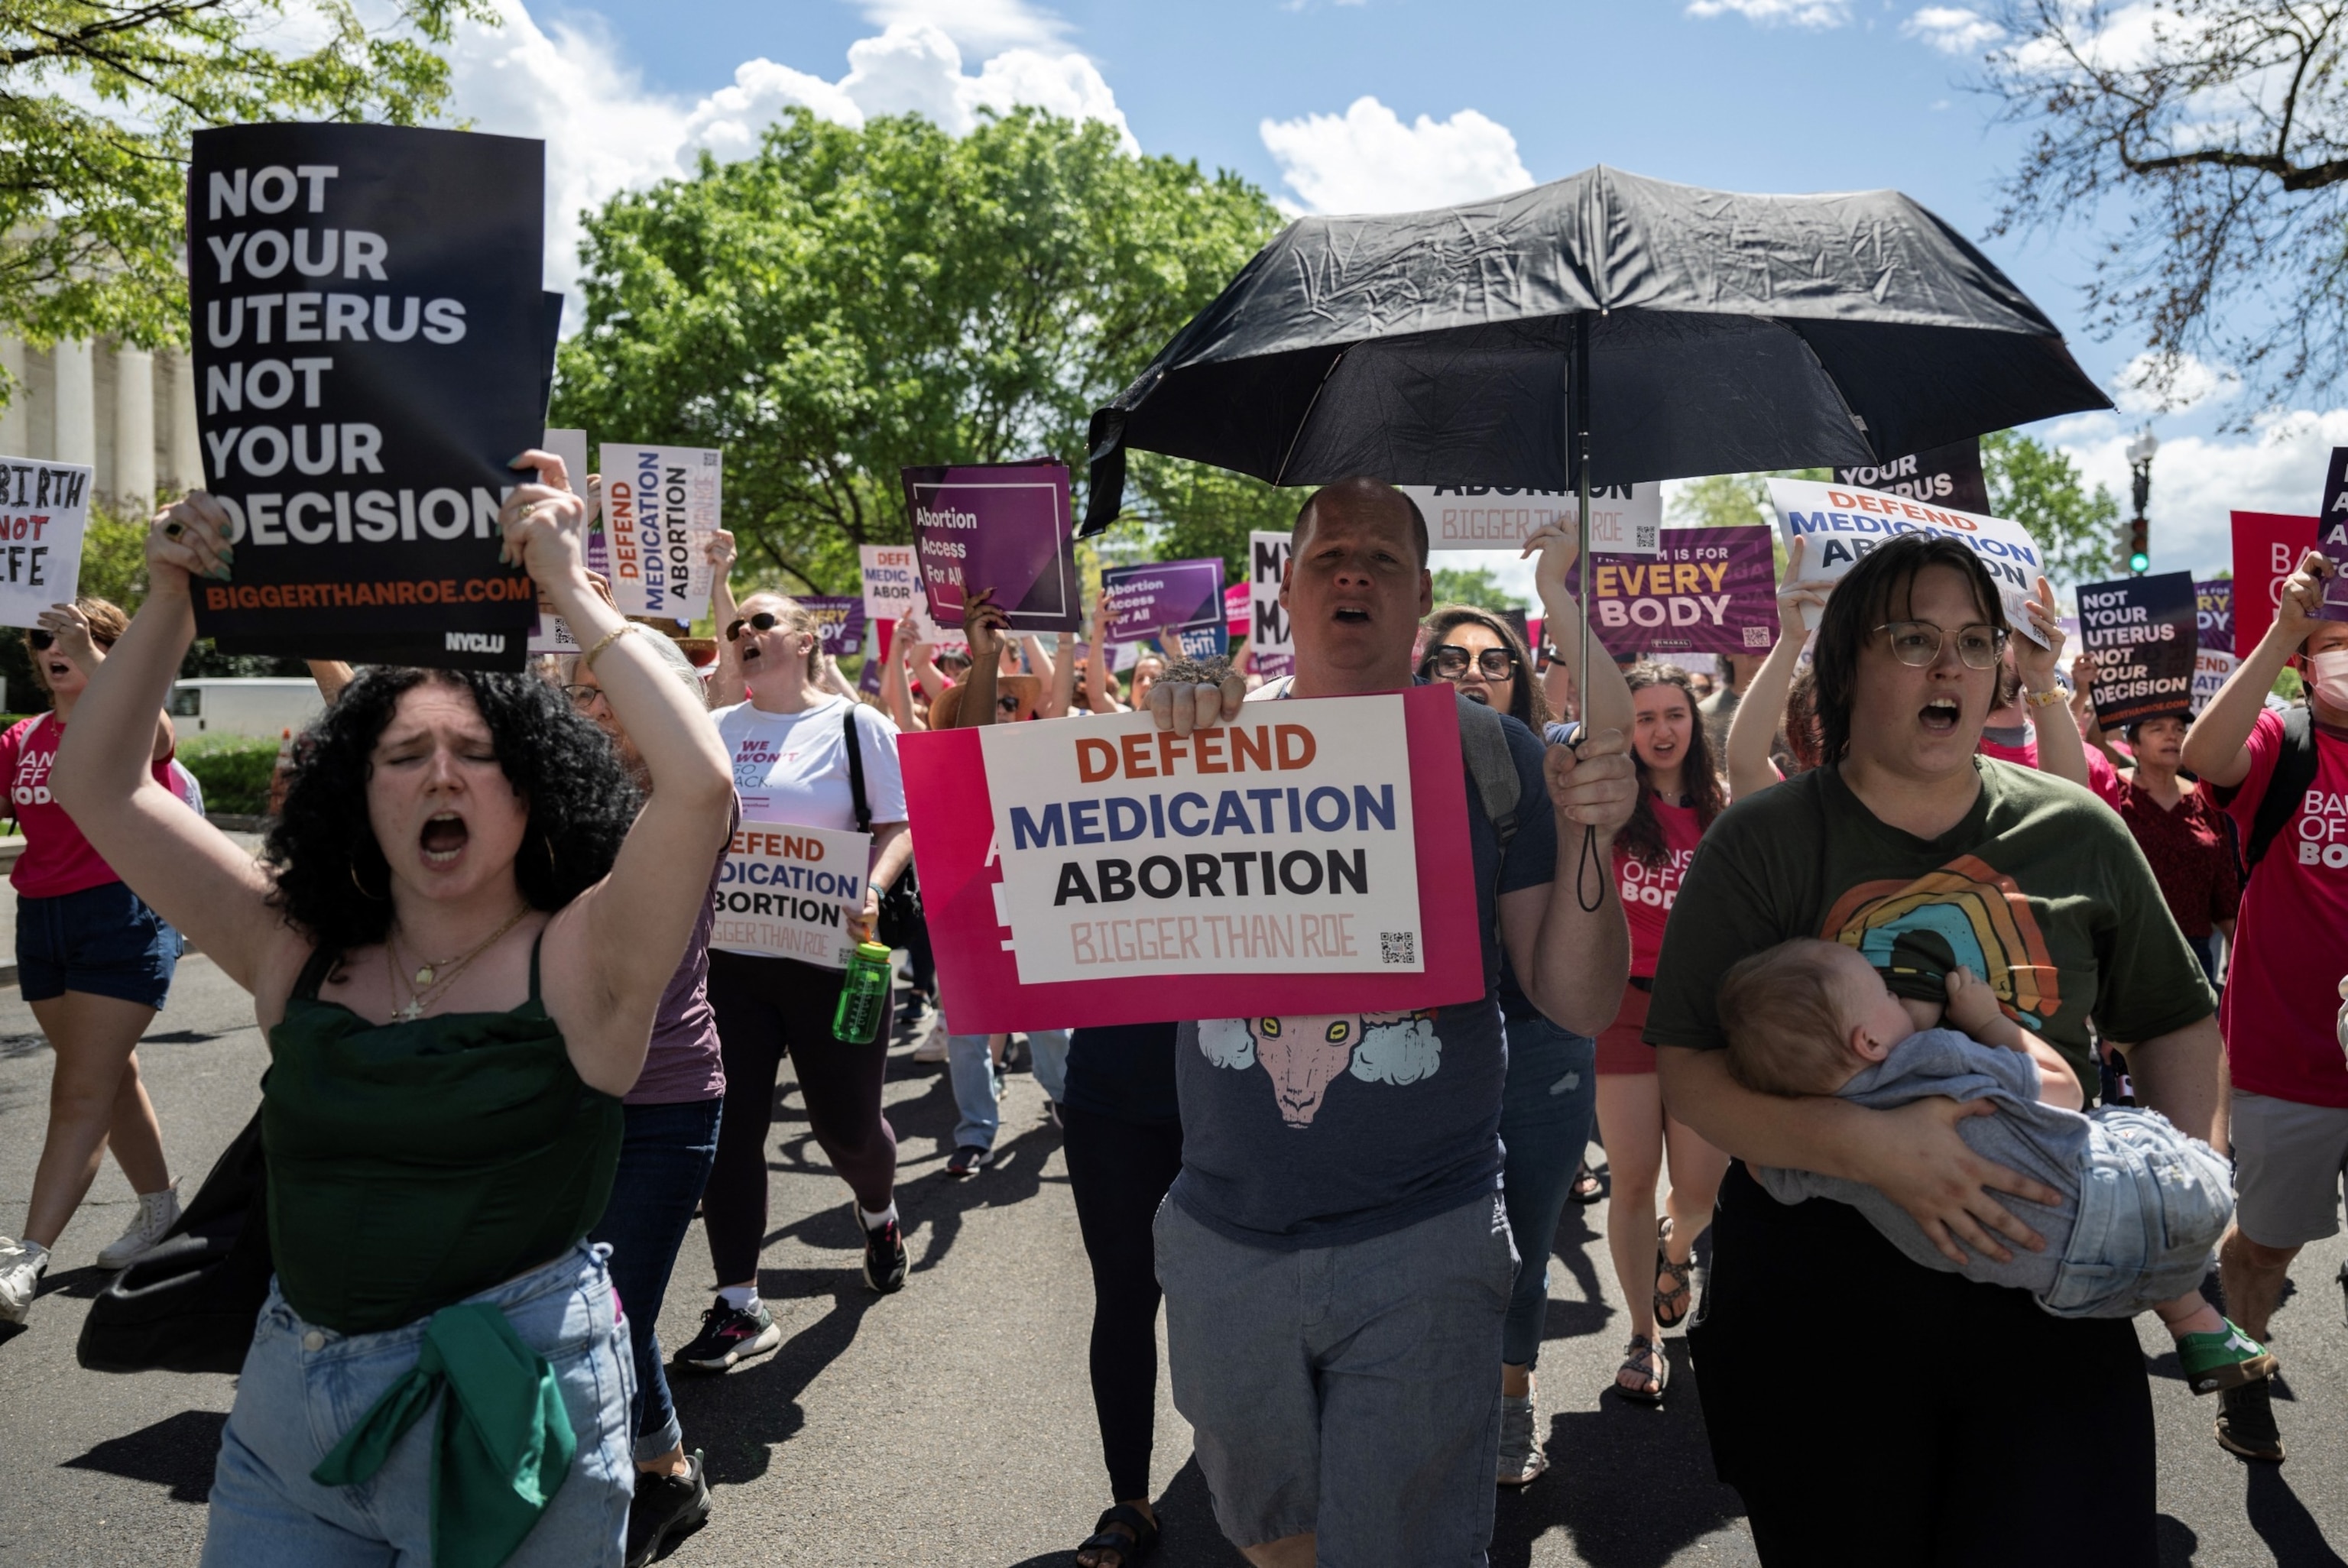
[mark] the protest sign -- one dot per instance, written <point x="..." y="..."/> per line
<point x="2141" y="634"/>
<point x="1162" y="597"/>
<point x="660" y="504"/>
<point x="44" y="510"/>
<point x="552" y="635"/>
<point x="1705" y="590"/>
<point x="1947" y="476"/>
<point x="1269" y="633"/>
<point x="1843" y="523"/>
<point x="369" y="337"/>
<point x="839" y="620"/>
<point x="1004" y="525"/>
<point x="1065" y="870"/>
<point x="1624" y="520"/>
<point x="787" y="892"/>
<point x="2267" y="548"/>
<point x="1238" y="611"/>
<point x="2213" y="603"/>
<point x="890" y="588"/>
<point x="2211" y="668"/>
<point x="2332" y="535"/>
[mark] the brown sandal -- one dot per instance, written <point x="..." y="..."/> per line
<point x="1647" y="1359"/>
<point x="1671" y="1306"/>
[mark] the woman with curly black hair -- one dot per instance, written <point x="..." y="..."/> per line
<point x="455" y="943"/>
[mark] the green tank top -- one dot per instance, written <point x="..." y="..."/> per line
<point x="413" y="1164"/>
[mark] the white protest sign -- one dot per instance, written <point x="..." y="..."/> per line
<point x="44" y="509"/>
<point x="2211" y="667"/>
<point x="1270" y="636"/>
<point x="552" y="635"/>
<point x="660" y="504"/>
<point x="1279" y="844"/>
<point x="1624" y="520"/>
<point x="1843" y="523"/>
<point x="787" y="892"/>
<point x="893" y="584"/>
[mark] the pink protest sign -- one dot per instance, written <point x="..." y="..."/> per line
<point x="2267" y="548"/>
<point x="1317" y="897"/>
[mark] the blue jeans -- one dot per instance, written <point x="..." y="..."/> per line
<point x="303" y="1386"/>
<point x="664" y="1162"/>
<point x="1546" y="1107"/>
<point x="2153" y="1203"/>
<point x="971" y="1068"/>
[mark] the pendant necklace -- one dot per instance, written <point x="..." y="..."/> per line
<point x="435" y="975"/>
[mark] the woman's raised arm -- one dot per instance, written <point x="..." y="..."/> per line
<point x="1763" y="706"/>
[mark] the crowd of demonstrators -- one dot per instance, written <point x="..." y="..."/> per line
<point x="1925" y="857"/>
<point x="1334" y="1252"/>
<point x="2281" y="778"/>
<point x="457" y="940"/>
<point x="94" y="962"/>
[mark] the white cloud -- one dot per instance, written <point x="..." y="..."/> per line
<point x="1368" y="160"/>
<point x="1952" y="29"/>
<point x="605" y="132"/>
<point x="1773" y="13"/>
<point x="2198" y="481"/>
<point x="980" y="25"/>
<point x="2191" y="383"/>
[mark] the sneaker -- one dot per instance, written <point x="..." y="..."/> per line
<point x="2228" y="1359"/>
<point x="2246" y="1423"/>
<point x="933" y="1046"/>
<point x="1521" y="1459"/>
<point x="729" y="1335"/>
<point x="665" y="1508"/>
<point x="968" y="1161"/>
<point x="157" y="1213"/>
<point x="884" y="1254"/>
<point x="22" y="1264"/>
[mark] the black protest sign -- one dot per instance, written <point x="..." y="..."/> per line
<point x="1947" y="476"/>
<point x="371" y="344"/>
<point x="2143" y="635"/>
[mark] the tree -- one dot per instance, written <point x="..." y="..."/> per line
<point x="1722" y="500"/>
<point x="2033" y="484"/>
<point x="97" y="98"/>
<point x="2222" y="127"/>
<point x="848" y="302"/>
<point x="1476" y="585"/>
<point x="1193" y="510"/>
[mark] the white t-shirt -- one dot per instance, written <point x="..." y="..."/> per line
<point x="793" y="767"/>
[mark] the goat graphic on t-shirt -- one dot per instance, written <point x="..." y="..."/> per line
<point x="1305" y="1054"/>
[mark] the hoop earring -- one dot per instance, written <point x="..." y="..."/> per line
<point x="373" y="897"/>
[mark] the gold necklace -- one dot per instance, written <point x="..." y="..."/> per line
<point x="429" y="981"/>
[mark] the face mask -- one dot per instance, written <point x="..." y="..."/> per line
<point x="2331" y="672"/>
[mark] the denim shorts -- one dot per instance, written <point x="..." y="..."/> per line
<point x="303" y="1386"/>
<point x="2153" y="1203"/>
<point x="102" y="941"/>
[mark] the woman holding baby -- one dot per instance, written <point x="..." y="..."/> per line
<point x="1925" y="858"/>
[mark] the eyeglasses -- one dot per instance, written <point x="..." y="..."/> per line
<point x="1451" y="661"/>
<point x="582" y="697"/>
<point x="763" y="620"/>
<point x="1917" y="643"/>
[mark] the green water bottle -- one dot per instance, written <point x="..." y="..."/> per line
<point x="864" y="995"/>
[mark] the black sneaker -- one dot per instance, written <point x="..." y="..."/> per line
<point x="729" y="1335"/>
<point x="968" y="1161"/>
<point x="884" y="1254"/>
<point x="2246" y="1423"/>
<point x="666" y="1508"/>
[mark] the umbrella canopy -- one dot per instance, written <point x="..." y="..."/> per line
<point x="1724" y="333"/>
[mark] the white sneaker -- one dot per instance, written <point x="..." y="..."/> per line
<point x="158" y="1212"/>
<point x="22" y="1264"/>
<point x="933" y="1047"/>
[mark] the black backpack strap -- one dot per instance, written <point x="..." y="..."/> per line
<point x="2286" y="787"/>
<point x="856" y="773"/>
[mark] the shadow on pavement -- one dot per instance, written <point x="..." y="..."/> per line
<point x="1185" y="1517"/>
<point x="2177" y="1543"/>
<point x="739" y="1419"/>
<point x="2283" y="1522"/>
<point x="177" y="1451"/>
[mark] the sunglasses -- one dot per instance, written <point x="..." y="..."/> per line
<point x="1007" y="704"/>
<point x="765" y="621"/>
<point x="42" y="642"/>
<point x="1451" y="661"/>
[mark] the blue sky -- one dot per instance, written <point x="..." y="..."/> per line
<point x="1394" y="104"/>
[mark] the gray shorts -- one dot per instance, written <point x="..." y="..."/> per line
<point x="1351" y="1391"/>
<point x="2288" y="1161"/>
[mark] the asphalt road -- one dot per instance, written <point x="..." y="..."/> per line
<point x="951" y="1424"/>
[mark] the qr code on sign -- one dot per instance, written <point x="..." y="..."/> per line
<point x="1397" y="947"/>
<point x="1645" y="539"/>
<point x="1756" y="636"/>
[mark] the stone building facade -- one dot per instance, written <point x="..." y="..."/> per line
<point x="129" y="414"/>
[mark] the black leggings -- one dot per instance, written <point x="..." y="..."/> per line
<point x="1118" y="1171"/>
<point x="766" y="1007"/>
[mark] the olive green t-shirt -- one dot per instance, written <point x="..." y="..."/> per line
<point x="2041" y="890"/>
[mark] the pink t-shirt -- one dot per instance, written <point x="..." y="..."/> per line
<point x="2291" y="947"/>
<point x="1648" y="892"/>
<point x="2102" y="777"/>
<point x="57" y="859"/>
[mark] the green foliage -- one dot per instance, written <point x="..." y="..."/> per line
<point x="114" y="557"/>
<point x="2037" y="486"/>
<point x="97" y="98"/>
<point x="1477" y="587"/>
<point x="1725" y="500"/>
<point x="2289" y="686"/>
<point x="234" y="769"/>
<point x="1196" y="510"/>
<point x="848" y="302"/>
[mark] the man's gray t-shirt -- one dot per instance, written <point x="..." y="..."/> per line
<point x="1309" y="1132"/>
<point x="2026" y="1136"/>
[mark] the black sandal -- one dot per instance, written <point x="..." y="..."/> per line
<point x="1131" y="1544"/>
<point x="1668" y="1316"/>
<point x="1648" y="1360"/>
<point x="1586" y="1189"/>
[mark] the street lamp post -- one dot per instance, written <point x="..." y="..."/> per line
<point x="2138" y="558"/>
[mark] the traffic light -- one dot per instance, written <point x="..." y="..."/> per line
<point x="2139" y="556"/>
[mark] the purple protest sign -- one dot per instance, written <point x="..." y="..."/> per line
<point x="1004" y="525"/>
<point x="1162" y="596"/>
<point x="1705" y="590"/>
<point x="2332" y="535"/>
<point x="840" y="621"/>
<point x="2213" y="603"/>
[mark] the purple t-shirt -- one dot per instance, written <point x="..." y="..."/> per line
<point x="682" y="1064"/>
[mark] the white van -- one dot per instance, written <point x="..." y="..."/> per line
<point x="255" y="705"/>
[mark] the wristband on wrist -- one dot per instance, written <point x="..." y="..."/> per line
<point x="2046" y="699"/>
